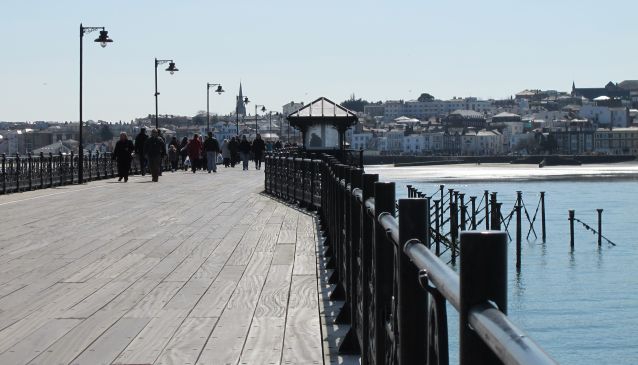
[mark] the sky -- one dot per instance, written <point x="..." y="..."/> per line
<point x="284" y="50"/>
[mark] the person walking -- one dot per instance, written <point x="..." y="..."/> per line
<point x="226" y="152"/>
<point x="258" y="148"/>
<point x="211" y="147"/>
<point x="173" y="157"/>
<point x="140" y="142"/>
<point x="234" y="151"/>
<point x="155" y="150"/>
<point x="244" y="151"/>
<point x="194" y="149"/>
<point x="123" y="153"/>
<point x="182" y="151"/>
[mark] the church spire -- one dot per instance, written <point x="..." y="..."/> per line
<point x="240" y="108"/>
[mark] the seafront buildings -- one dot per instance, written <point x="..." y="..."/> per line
<point x="600" y="120"/>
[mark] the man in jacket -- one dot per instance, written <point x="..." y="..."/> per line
<point x="211" y="147"/>
<point x="258" y="148"/>
<point x="140" y="142"/>
<point x="155" y="150"/>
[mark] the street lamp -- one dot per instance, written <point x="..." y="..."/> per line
<point x="263" y="110"/>
<point x="246" y="101"/>
<point x="172" y="69"/>
<point x="103" y="39"/>
<point x="219" y="91"/>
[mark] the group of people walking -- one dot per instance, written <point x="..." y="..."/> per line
<point x="194" y="152"/>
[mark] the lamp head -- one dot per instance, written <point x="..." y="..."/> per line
<point x="103" y="39"/>
<point x="263" y="109"/>
<point x="246" y="101"/>
<point x="219" y="90"/>
<point x="171" y="68"/>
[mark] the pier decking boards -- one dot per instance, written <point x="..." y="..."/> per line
<point x="196" y="269"/>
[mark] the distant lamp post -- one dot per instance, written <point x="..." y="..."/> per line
<point x="219" y="91"/>
<point x="172" y="69"/>
<point x="263" y="110"/>
<point x="103" y="40"/>
<point x="245" y="101"/>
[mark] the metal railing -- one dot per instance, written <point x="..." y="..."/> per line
<point x="394" y="286"/>
<point x="23" y="173"/>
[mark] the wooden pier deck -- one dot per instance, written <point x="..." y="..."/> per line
<point x="196" y="269"/>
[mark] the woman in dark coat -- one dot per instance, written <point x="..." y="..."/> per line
<point x="123" y="153"/>
<point x="233" y="145"/>
<point x="182" y="151"/>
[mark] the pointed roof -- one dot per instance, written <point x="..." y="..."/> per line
<point x="322" y="110"/>
<point x="240" y="107"/>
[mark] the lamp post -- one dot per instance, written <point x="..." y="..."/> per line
<point x="219" y="91"/>
<point x="245" y="101"/>
<point x="263" y="109"/>
<point x="172" y="69"/>
<point x="103" y="39"/>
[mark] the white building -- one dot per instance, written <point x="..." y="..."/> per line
<point x="433" y="108"/>
<point x="414" y="144"/>
<point x="482" y="143"/>
<point x="360" y="140"/>
<point x="605" y="116"/>
<point x="395" y="141"/>
<point x="224" y="130"/>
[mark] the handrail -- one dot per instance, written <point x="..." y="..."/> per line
<point x="394" y="287"/>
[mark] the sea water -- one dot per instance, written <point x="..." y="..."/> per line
<point x="581" y="306"/>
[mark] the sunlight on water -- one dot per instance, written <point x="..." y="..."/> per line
<point x="580" y="306"/>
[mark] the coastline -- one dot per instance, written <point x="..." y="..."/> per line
<point x="507" y="172"/>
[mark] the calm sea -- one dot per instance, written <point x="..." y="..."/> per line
<point x="581" y="306"/>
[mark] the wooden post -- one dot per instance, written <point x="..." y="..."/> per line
<point x="600" y="226"/>
<point x="473" y="202"/>
<point x="486" y="198"/>
<point x="437" y="227"/>
<point x="518" y="237"/>
<point x="543" y="215"/>
<point x="571" y="228"/>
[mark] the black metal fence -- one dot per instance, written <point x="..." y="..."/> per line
<point x="394" y="286"/>
<point x="23" y="173"/>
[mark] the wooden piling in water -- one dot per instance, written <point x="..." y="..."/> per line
<point x="473" y="202"/>
<point x="518" y="237"/>
<point x="600" y="226"/>
<point x="571" y="228"/>
<point x="543" y="216"/>
<point x="487" y="209"/>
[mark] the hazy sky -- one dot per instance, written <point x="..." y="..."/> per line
<point x="284" y="50"/>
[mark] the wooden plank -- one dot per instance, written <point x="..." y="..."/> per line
<point x="152" y="303"/>
<point x="150" y="342"/>
<point x="187" y="343"/>
<point x="34" y="344"/>
<point x="228" y="337"/>
<point x="78" y="339"/>
<point x="302" y="341"/>
<point x="284" y="255"/>
<point x="213" y="302"/>
<point x="109" y="345"/>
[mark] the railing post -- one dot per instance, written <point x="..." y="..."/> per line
<point x="412" y="299"/>
<point x="72" y="172"/>
<point x="483" y="279"/>
<point x="496" y="219"/>
<point x="473" y="217"/>
<point x="106" y="171"/>
<point x="30" y="168"/>
<point x="18" y="171"/>
<point x="97" y="165"/>
<point x="365" y="249"/>
<point x="410" y="191"/>
<point x="42" y="165"/>
<point x="89" y="164"/>
<point x="50" y="169"/>
<point x="381" y="273"/>
<point x="61" y="169"/>
<point x="4" y="173"/>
